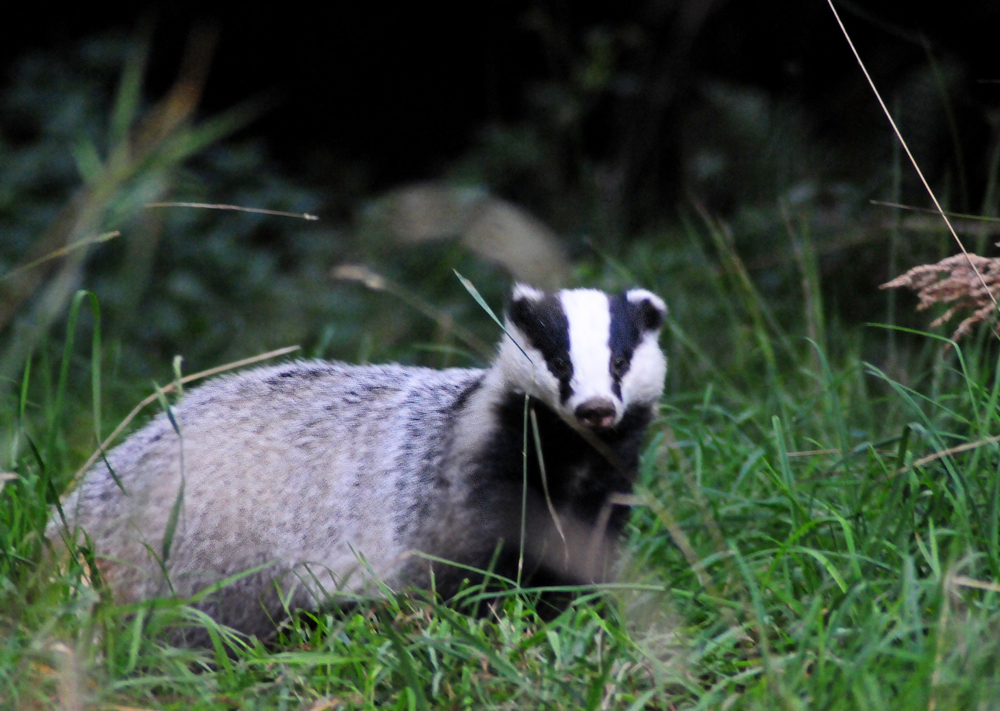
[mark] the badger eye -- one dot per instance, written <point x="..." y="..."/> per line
<point x="559" y="367"/>
<point x="618" y="364"/>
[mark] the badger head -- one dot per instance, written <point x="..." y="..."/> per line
<point x="590" y="355"/>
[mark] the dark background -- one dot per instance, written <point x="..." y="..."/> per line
<point x="398" y="92"/>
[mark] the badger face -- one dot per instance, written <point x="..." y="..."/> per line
<point x="592" y="356"/>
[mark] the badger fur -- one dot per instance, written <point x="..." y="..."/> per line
<point x="325" y="475"/>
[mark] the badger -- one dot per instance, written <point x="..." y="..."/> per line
<point x="315" y="479"/>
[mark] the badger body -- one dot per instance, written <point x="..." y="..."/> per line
<point x="322" y="476"/>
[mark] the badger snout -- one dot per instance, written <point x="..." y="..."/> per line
<point x="597" y="413"/>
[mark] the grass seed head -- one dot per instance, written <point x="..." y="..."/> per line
<point x="959" y="282"/>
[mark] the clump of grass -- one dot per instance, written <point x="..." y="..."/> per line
<point x="136" y="161"/>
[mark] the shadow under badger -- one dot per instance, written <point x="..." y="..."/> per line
<point x="303" y="467"/>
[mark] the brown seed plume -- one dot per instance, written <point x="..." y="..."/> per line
<point x="954" y="281"/>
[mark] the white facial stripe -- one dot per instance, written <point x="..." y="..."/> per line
<point x="589" y="317"/>
<point x="643" y="383"/>
<point x="524" y="375"/>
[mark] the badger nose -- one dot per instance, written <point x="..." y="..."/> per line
<point x="596" y="413"/>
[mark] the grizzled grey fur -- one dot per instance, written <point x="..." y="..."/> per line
<point x="310" y="467"/>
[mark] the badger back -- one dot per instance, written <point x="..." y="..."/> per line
<point x="589" y="356"/>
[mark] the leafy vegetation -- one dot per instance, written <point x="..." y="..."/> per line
<point x="819" y="517"/>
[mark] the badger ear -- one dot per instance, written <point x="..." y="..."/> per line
<point x="651" y="308"/>
<point x="523" y="291"/>
<point x="521" y="302"/>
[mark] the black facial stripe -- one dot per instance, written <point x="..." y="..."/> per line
<point x="545" y="325"/>
<point x="628" y="321"/>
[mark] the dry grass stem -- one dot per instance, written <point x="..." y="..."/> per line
<point x="238" y="208"/>
<point x="923" y="461"/>
<point x="965" y="282"/>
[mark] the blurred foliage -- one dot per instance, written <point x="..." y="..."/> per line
<point x="209" y="284"/>
<point x="770" y="208"/>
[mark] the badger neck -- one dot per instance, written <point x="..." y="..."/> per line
<point x="572" y="473"/>
<point x="574" y="469"/>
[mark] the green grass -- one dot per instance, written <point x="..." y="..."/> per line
<point x="795" y="548"/>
